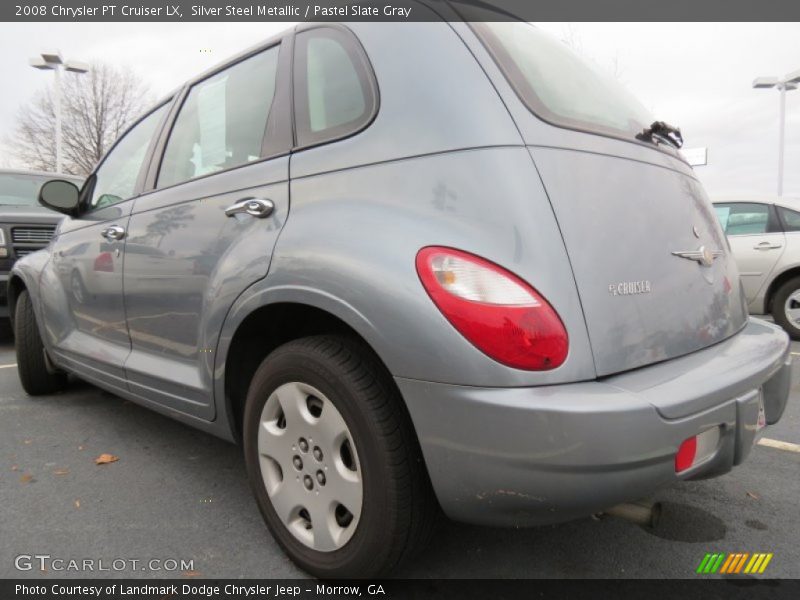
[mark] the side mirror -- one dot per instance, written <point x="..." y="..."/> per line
<point x="59" y="195"/>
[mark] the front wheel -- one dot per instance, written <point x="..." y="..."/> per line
<point x="37" y="377"/>
<point x="786" y="307"/>
<point x="333" y="460"/>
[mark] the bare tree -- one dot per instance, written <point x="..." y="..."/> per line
<point x="96" y="108"/>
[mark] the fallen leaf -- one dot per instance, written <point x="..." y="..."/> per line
<point x="191" y="573"/>
<point x="77" y="503"/>
<point x="753" y="495"/>
<point x="26" y="442"/>
<point x="61" y="472"/>
<point x="105" y="459"/>
<point x="26" y="478"/>
<point x="15" y="467"/>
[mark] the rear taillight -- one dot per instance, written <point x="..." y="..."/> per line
<point x="104" y="262"/>
<point x="498" y="312"/>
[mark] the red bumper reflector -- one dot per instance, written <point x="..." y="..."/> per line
<point x="686" y="454"/>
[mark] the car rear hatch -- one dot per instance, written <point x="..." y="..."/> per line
<point x="652" y="267"/>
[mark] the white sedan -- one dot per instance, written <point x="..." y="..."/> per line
<point x="764" y="234"/>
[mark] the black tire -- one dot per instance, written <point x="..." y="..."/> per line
<point x="778" y="307"/>
<point x="36" y="379"/>
<point x="399" y="509"/>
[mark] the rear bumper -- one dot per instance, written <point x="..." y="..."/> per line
<point x="525" y="456"/>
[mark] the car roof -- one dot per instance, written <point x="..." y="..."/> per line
<point x="788" y="201"/>
<point x="47" y="174"/>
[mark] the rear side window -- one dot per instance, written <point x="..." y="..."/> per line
<point x="223" y="120"/>
<point x="790" y="218"/>
<point x="558" y="85"/>
<point x="335" y="93"/>
<point x="746" y="218"/>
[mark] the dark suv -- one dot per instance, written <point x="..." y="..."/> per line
<point x="25" y="225"/>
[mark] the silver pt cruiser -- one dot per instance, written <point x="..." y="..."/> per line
<point x="410" y="267"/>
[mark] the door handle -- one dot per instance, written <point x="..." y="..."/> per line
<point x="255" y="207"/>
<point x="113" y="233"/>
<point x="767" y="246"/>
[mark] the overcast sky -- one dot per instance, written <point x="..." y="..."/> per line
<point x="697" y="76"/>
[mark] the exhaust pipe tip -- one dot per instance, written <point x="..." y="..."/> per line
<point x="644" y="514"/>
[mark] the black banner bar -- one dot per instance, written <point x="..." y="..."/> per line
<point x="402" y="10"/>
<point x="746" y="588"/>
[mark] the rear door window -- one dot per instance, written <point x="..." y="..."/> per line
<point x="335" y="92"/>
<point x="746" y="218"/>
<point x="223" y="120"/>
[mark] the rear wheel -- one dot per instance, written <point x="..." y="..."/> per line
<point x="786" y="307"/>
<point x="37" y="377"/>
<point x="333" y="460"/>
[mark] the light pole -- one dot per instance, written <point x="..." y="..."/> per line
<point x="788" y="83"/>
<point x="52" y="61"/>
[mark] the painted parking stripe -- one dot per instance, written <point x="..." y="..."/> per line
<point x="795" y="353"/>
<point x="11" y="366"/>
<point x="788" y="446"/>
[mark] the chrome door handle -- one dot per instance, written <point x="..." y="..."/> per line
<point x="113" y="233"/>
<point x="767" y="246"/>
<point x="255" y="207"/>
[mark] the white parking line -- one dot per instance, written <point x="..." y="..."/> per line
<point x="795" y="353"/>
<point x="11" y="366"/>
<point x="779" y="445"/>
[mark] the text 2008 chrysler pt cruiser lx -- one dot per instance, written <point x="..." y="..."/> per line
<point x="410" y="266"/>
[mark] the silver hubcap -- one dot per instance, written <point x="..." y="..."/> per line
<point x="792" y="308"/>
<point x="310" y="466"/>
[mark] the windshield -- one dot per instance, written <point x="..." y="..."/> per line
<point x="560" y="86"/>
<point x="20" y="189"/>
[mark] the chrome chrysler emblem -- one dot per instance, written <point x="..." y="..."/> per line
<point x="705" y="256"/>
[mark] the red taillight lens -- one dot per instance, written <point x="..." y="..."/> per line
<point x="104" y="262"/>
<point x="686" y="454"/>
<point x="498" y="312"/>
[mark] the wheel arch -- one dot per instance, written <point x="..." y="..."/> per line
<point x="776" y="283"/>
<point x="264" y="328"/>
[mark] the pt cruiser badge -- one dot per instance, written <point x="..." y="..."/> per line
<point x="628" y="288"/>
<point x="705" y="256"/>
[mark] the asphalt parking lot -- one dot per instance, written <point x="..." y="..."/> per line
<point x="176" y="493"/>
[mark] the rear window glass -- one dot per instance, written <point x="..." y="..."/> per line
<point x="560" y="86"/>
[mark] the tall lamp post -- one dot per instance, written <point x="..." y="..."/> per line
<point x="52" y="61"/>
<point x="786" y="84"/>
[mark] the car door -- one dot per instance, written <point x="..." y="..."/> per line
<point x="206" y="227"/>
<point x="756" y="238"/>
<point x="81" y="287"/>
